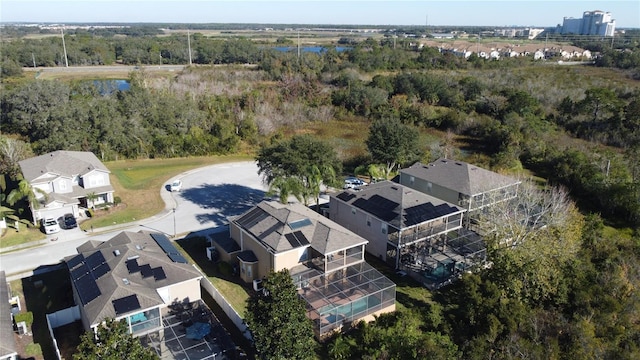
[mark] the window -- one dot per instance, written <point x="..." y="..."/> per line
<point x="249" y="271"/>
<point x="353" y="210"/>
<point x="429" y="186"/>
<point x="412" y="179"/>
<point x="384" y="228"/>
<point x="368" y="220"/>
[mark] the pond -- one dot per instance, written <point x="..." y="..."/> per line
<point x="312" y="49"/>
<point x="106" y="87"/>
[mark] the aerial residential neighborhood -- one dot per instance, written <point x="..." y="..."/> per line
<point x="307" y="180"/>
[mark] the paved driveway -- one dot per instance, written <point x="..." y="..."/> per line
<point x="208" y="196"/>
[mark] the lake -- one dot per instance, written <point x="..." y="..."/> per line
<point x="106" y="87"/>
<point x="312" y="49"/>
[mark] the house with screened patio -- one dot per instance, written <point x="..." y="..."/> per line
<point x="134" y="276"/>
<point x="409" y="230"/>
<point x="325" y="260"/>
<point x="466" y="185"/>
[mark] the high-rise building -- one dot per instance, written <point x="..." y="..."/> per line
<point x="592" y="23"/>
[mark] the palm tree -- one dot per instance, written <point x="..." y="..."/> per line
<point x="24" y="190"/>
<point x="91" y="197"/>
<point x="285" y="186"/>
<point x="314" y="178"/>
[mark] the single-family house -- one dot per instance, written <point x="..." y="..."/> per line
<point x="8" y="348"/>
<point x="393" y="217"/>
<point x="132" y="276"/>
<point x="66" y="181"/>
<point x="466" y="185"/>
<point x="325" y="260"/>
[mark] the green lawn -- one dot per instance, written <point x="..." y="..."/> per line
<point x="25" y="235"/>
<point x="219" y="274"/>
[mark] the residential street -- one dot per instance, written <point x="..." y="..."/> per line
<point x="208" y="196"/>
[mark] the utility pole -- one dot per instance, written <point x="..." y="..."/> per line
<point x="174" y="223"/>
<point x="189" y="44"/>
<point x="64" y="47"/>
<point x="298" y="46"/>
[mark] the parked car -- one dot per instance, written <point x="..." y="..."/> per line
<point x="68" y="221"/>
<point x="50" y="226"/>
<point x="352" y="183"/>
<point x="176" y="185"/>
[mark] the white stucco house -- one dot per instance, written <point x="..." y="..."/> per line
<point x="66" y="181"/>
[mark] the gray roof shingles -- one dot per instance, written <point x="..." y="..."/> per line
<point x="61" y="162"/>
<point x="459" y="176"/>
<point x="7" y="341"/>
<point x="271" y="227"/>
<point x="397" y="205"/>
<point x="112" y="286"/>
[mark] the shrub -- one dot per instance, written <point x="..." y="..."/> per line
<point x="117" y="200"/>
<point x="26" y="317"/>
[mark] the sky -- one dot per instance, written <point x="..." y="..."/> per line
<point x="539" y="13"/>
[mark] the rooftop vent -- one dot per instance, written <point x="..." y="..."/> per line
<point x="133" y="257"/>
<point x="116" y="252"/>
<point x="125" y="281"/>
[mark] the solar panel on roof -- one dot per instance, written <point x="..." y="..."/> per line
<point x="126" y="304"/>
<point x="101" y="270"/>
<point x="132" y="266"/>
<point x="177" y="258"/>
<point x="146" y="271"/>
<point x="378" y="206"/>
<point x="168" y="248"/>
<point x="252" y="217"/>
<point x="296" y="239"/>
<point x="159" y="274"/>
<point x="79" y="271"/>
<point x="94" y="260"/>
<point x="75" y="261"/>
<point x="87" y="289"/>
<point x="346" y="196"/>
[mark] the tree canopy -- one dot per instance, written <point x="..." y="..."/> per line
<point x="392" y="143"/>
<point x="298" y="166"/>
<point x="278" y="322"/>
<point x="112" y="342"/>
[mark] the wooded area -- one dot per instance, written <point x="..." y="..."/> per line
<point x="574" y="126"/>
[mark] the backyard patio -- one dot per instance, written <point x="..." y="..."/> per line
<point x="191" y="332"/>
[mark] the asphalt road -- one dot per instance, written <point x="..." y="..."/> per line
<point x="102" y="68"/>
<point x="209" y="195"/>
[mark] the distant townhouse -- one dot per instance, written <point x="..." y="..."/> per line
<point x="65" y="182"/>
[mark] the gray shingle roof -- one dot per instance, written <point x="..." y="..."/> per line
<point x="459" y="176"/>
<point x="7" y="341"/>
<point x="116" y="252"/>
<point x="397" y="205"/>
<point x="61" y="162"/>
<point x="283" y="227"/>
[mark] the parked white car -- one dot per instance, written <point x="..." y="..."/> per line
<point x="352" y="183"/>
<point x="176" y="185"/>
<point x="50" y="226"/>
